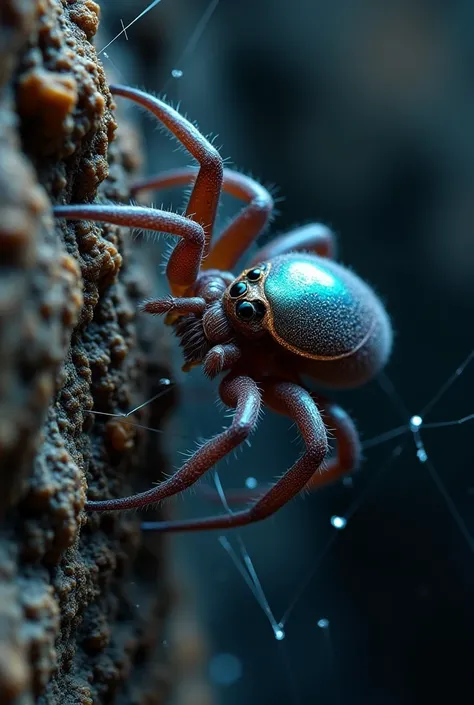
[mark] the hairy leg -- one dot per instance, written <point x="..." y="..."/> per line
<point x="174" y="305"/>
<point x="221" y="357"/>
<point x="192" y="244"/>
<point x="348" y="449"/>
<point x="314" y="237"/>
<point x="295" y="402"/>
<point x="242" y="230"/>
<point x="345" y="460"/>
<point x="204" y="199"/>
<point x="240" y="393"/>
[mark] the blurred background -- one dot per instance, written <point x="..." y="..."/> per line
<point x="362" y="114"/>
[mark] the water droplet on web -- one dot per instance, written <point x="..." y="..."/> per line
<point x="176" y="73"/>
<point x="251" y="483"/>
<point x="415" y="422"/>
<point x="338" y="522"/>
<point x="323" y="623"/>
<point x="422" y="455"/>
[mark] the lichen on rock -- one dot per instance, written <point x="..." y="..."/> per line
<point x="70" y="631"/>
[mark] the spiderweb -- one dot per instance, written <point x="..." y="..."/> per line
<point x="343" y="596"/>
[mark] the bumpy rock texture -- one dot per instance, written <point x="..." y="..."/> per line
<point x="81" y="602"/>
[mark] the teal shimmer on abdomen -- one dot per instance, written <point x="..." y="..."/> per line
<point x="314" y="308"/>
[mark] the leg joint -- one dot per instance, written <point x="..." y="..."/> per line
<point x="195" y="233"/>
<point x="241" y="430"/>
<point x="213" y="164"/>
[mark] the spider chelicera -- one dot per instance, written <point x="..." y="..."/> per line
<point x="292" y="313"/>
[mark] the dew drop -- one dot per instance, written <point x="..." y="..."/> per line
<point x="323" y="623"/>
<point x="415" y="422"/>
<point x="422" y="455"/>
<point x="338" y="522"/>
<point x="251" y="483"/>
<point x="176" y="73"/>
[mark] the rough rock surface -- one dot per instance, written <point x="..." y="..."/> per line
<point x="81" y="602"/>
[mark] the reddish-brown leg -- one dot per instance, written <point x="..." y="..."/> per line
<point x="295" y="402"/>
<point x="314" y="237"/>
<point x="242" y="230"/>
<point x="187" y="255"/>
<point x="348" y="449"/>
<point x="220" y="358"/>
<point x="346" y="459"/>
<point x="204" y="199"/>
<point x="170" y="304"/>
<point x="240" y="393"/>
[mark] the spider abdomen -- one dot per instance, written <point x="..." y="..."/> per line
<point x="325" y="313"/>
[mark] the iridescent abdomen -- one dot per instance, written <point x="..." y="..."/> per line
<point x="325" y="313"/>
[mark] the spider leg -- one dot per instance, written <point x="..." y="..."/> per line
<point x="202" y="205"/>
<point x="174" y="305"/>
<point x="220" y="358"/>
<point x="313" y="237"/>
<point x="241" y="393"/>
<point x="242" y="230"/>
<point x="204" y="199"/>
<point x="344" y="462"/>
<point x="187" y="253"/>
<point x="295" y="402"/>
<point x="349" y="452"/>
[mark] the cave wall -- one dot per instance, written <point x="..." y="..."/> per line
<point x="82" y="602"/>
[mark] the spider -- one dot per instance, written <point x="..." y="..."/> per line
<point x="292" y="313"/>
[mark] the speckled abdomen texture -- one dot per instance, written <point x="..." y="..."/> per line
<point x="323" y="311"/>
<point x="81" y="603"/>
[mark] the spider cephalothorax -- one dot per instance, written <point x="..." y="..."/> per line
<point x="245" y="301"/>
<point x="293" y="312"/>
<point x="233" y="310"/>
<point x="297" y="305"/>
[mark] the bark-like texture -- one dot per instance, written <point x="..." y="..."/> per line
<point x="81" y="604"/>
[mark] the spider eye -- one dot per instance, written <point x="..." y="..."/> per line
<point x="254" y="274"/>
<point x="245" y="310"/>
<point x="250" y="310"/>
<point x="259" y="309"/>
<point x="238" y="289"/>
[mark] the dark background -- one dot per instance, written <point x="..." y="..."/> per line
<point x="362" y="113"/>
